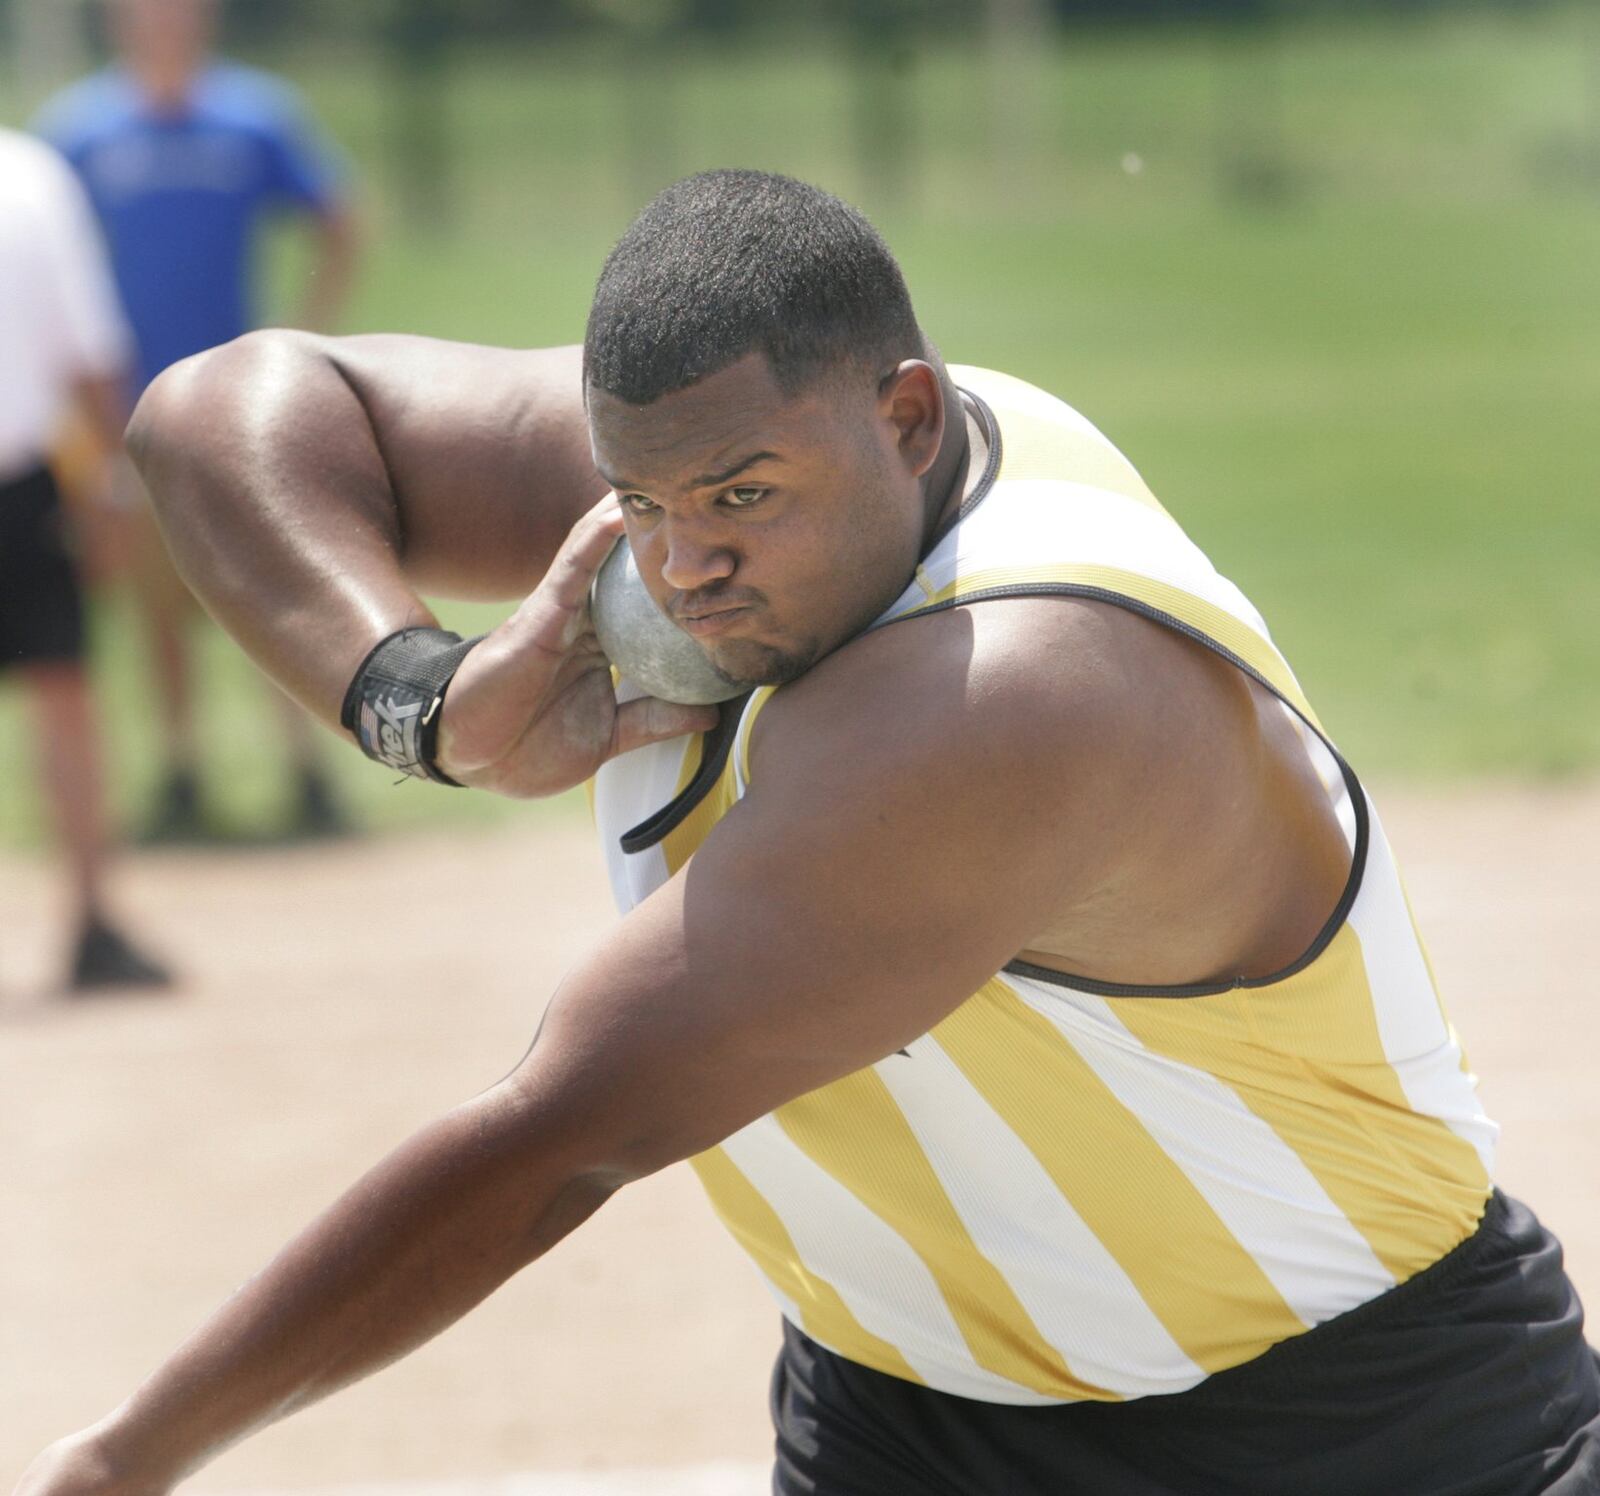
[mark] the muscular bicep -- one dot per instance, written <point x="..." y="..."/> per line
<point x="887" y="862"/>
<point x="486" y="451"/>
<point x="310" y="489"/>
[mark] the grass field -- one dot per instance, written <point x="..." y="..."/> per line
<point x="1369" y="392"/>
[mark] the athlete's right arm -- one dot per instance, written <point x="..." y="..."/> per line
<point x="309" y="488"/>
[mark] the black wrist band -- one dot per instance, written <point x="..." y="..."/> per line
<point x="392" y="706"/>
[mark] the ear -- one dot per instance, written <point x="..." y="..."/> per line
<point x="912" y="402"/>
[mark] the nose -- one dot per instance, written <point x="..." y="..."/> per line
<point x="693" y="555"/>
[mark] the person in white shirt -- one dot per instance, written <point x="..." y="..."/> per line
<point x="63" y="350"/>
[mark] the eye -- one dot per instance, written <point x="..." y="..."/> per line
<point x="744" y="498"/>
<point x="637" y="503"/>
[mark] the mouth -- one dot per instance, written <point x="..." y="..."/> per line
<point x="710" y="622"/>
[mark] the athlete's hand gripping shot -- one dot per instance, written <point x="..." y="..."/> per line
<point x="1021" y="968"/>
<point x="532" y="708"/>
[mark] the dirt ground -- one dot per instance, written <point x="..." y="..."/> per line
<point x="154" y="1151"/>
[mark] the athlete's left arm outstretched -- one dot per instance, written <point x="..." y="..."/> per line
<point x="870" y="881"/>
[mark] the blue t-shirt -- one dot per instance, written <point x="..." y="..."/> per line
<point x="180" y="195"/>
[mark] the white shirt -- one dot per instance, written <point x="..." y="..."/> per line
<point x="59" y="316"/>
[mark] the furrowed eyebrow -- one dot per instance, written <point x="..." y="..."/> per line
<point x="705" y="480"/>
<point x="711" y="480"/>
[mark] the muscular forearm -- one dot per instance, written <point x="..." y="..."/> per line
<point x="424" y="1237"/>
<point x="276" y="506"/>
<point x="308" y="486"/>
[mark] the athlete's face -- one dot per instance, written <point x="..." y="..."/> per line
<point x="773" y="527"/>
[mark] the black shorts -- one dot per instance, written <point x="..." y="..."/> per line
<point x="1471" y="1379"/>
<point x="41" y="603"/>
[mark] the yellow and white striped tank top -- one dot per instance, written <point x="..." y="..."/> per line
<point x="1069" y="1189"/>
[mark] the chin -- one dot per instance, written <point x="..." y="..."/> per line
<point x="746" y="663"/>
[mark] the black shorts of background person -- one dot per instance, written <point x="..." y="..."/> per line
<point x="1473" y="1379"/>
<point x="41" y="601"/>
<point x="42" y="644"/>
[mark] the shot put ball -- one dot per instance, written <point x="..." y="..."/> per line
<point x="646" y="646"/>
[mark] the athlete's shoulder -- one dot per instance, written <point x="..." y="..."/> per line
<point x="1027" y="683"/>
<point x="1043" y="438"/>
<point x="1009" y="745"/>
<point x="1014" y="393"/>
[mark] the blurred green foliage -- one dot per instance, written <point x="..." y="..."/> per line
<point x="1370" y="392"/>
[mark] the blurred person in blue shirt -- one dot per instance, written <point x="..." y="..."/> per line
<point x="186" y="158"/>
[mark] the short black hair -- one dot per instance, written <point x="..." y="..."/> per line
<point x="727" y="263"/>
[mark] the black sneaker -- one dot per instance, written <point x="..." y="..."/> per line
<point x="105" y="959"/>
<point x="177" y="820"/>
<point x="318" y="815"/>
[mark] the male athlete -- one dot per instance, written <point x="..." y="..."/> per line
<point x="1026" y="977"/>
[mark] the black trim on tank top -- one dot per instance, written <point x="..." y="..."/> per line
<point x="1358" y="799"/>
<point x="718" y="743"/>
<point x="991" y="469"/>
<point x="715" y="746"/>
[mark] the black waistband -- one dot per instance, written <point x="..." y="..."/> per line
<point x="1412" y="1297"/>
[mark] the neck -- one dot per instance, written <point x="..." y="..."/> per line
<point x="944" y="484"/>
<point x="164" y="82"/>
